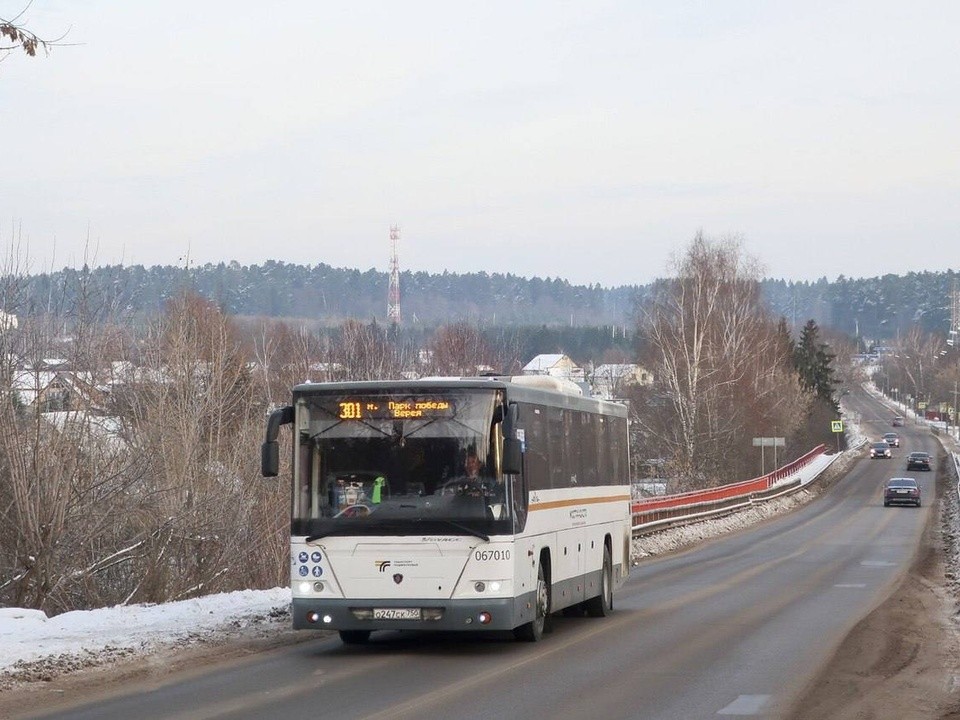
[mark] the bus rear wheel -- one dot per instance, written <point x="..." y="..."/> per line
<point x="533" y="630"/>
<point x="354" y="637"/>
<point x="602" y="604"/>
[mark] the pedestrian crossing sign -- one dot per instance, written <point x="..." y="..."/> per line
<point x="836" y="426"/>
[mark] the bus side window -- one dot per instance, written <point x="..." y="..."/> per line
<point x="588" y="448"/>
<point x="535" y="462"/>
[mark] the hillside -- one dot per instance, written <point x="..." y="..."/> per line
<point x="877" y="308"/>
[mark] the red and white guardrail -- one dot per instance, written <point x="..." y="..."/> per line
<point x="655" y="512"/>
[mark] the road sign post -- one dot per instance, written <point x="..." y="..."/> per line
<point x="773" y="442"/>
<point x="836" y="427"/>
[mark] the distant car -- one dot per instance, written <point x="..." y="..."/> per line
<point x="892" y="439"/>
<point x="881" y="450"/>
<point x="898" y="421"/>
<point x="901" y="491"/>
<point x="918" y="461"/>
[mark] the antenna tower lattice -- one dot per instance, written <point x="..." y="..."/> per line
<point x="953" y="337"/>
<point x="393" y="295"/>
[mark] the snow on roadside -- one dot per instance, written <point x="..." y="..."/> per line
<point x="33" y="645"/>
<point x="683" y="536"/>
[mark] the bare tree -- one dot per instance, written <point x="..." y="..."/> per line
<point x="64" y="473"/>
<point x="285" y="356"/>
<point x="365" y="352"/>
<point x="458" y="350"/>
<point x="915" y="358"/>
<point x="198" y="415"/>
<point x="715" y="354"/>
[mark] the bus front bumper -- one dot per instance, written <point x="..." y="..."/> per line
<point x="444" y="615"/>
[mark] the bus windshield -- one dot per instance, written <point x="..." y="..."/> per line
<point x="400" y="463"/>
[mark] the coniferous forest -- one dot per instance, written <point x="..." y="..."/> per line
<point x="879" y="308"/>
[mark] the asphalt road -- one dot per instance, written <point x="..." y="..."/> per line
<point x="735" y="627"/>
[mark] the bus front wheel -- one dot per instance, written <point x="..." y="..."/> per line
<point x="533" y="630"/>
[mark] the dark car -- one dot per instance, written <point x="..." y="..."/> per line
<point x="901" y="491"/>
<point x="918" y="461"/>
<point x="898" y="421"/>
<point x="892" y="439"/>
<point x="881" y="450"/>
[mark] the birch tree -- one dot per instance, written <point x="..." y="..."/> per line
<point x="716" y="359"/>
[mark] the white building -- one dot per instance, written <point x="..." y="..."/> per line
<point x="608" y="381"/>
<point x="555" y="365"/>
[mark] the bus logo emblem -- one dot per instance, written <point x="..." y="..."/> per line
<point x="397" y="578"/>
<point x="382" y="565"/>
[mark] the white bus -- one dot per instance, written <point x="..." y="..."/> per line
<point x="393" y="528"/>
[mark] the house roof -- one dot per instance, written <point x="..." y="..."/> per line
<point x="544" y="362"/>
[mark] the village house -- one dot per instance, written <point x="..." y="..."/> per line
<point x="554" y="365"/>
<point x="609" y="381"/>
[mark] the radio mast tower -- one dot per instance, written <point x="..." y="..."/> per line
<point x="393" y="295"/>
<point x="953" y="337"/>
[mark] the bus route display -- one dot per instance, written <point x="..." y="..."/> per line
<point x="379" y="408"/>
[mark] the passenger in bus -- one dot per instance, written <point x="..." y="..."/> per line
<point x="472" y="464"/>
<point x="491" y="490"/>
<point x="470" y="481"/>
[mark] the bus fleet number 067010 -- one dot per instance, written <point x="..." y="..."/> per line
<point x="484" y="555"/>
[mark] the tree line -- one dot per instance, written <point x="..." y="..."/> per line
<point x="877" y="309"/>
<point x="331" y="295"/>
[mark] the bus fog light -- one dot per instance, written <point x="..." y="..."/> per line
<point x="327" y="619"/>
<point x="484" y="618"/>
<point x="313" y="616"/>
<point x="305" y="587"/>
<point x="479" y="586"/>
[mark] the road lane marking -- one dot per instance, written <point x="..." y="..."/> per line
<point x="877" y="563"/>
<point x="850" y="585"/>
<point x="746" y="705"/>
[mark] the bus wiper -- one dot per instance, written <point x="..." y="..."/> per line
<point x="320" y="536"/>
<point x="468" y="530"/>
<point x="398" y="525"/>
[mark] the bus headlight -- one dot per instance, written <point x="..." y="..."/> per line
<point x="304" y="587"/>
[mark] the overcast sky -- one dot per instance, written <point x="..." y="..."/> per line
<point x="583" y="140"/>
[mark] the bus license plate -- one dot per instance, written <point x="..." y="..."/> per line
<point x="396" y="613"/>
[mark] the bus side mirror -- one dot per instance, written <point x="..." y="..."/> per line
<point x="270" y="450"/>
<point x="270" y="458"/>
<point x="512" y="456"/>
